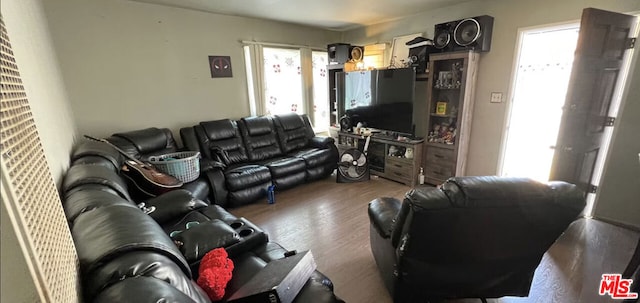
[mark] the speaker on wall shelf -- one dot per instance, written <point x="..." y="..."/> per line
<point x="466" y="34"/>
<point x="339" y="53"/>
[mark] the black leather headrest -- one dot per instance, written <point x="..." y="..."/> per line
<point x="258" y="125"/>
<point x="492" y="191"/>
<point x="290" y="121"/>
<point x="219" y="129"/>
<point x="94" y="148"/>
<point x="146" y="140"/>
<point x="87" y="174"/>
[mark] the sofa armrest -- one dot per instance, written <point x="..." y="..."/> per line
<point x="321" y="142"/>
<point x="173" y="204"/>
<point x="218" y="186"/>
<point x="382" y="212"/>
<point x="189" y="139"/>
<point x="209" y="164"/>
<point x="196" y="241"/>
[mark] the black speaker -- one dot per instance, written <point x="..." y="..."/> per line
<point x="339" y="53"/>
<point x="443" y="36"/>
<point x="419" y="56"/>
<point x="466" y="34"/>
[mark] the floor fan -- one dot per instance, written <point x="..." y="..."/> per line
<point x="354" y="165"/>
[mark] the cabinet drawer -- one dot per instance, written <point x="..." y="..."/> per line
<point x="397" y="164"/>
<point x="439" y="172"/>
<point x="438" y="155"/>
<point x="403" y="176"/>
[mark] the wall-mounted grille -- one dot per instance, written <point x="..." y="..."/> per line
<point x="31" y="196"/>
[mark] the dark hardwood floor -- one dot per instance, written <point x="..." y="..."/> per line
<point x="330" y="219"/>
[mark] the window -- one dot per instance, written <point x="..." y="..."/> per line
<point x="282" y="81"/>
<point x="320" y="91"/>
<point x="288" y="79"/>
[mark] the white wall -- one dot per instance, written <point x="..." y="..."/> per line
<point x="131" y="65"/>
<point x="35" y="56"/>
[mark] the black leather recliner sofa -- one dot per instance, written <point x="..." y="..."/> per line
<point x="259" y="151"/>
<point x="473" y="237"/>
<point x="125" y="249"/>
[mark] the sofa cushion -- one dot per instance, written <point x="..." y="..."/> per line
<point x="100" y="149"/>
<point x="285" y="166"/>
<point x="81" y="201"/>
<point x="145" y="290"/>
<point x="260" y="138"/>
<point x="223" y="140"/>
<point x="140" y="263"/>
<point x="314" y="157"/>
<point x="150" y="140"/>
<point x="79" y="175"/>
<point x="293" y="131"/>
<point x="173" y="204"/>
<point x="203" y="237"/>
<point x="108" y="232"/>
<point x="245" y="176"/>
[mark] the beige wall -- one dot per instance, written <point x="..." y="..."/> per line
<point x="35" y="56"/>
<point x="619" y="190"/>
<point x="131" y="65"/>
<point x="495" y="76"/>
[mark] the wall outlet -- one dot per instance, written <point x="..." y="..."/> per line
<point x="496" y="97"/>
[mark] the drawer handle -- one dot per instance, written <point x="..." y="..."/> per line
<point x="439" y="156"/>
<point x="397" y="165"/>
<point x="397" y="174"/>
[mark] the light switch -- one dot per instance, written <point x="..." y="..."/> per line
<point x="496" y="97"/>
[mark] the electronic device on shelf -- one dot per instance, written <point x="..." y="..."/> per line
<point x="378" y="99"/>
<point x="466" y="34"/>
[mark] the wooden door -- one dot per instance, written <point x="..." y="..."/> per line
<point x="603" y="40"/>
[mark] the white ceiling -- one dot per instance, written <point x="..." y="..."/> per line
<point x="329" y="14"/>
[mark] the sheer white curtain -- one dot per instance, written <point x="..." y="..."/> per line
<point x="288" y="79"/>
<point x="320" y="91"/>
<point x="282" y="81"/>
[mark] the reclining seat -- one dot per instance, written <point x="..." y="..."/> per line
<point x="244" y="182"/>
<point x="145" y="143"/>
<point x="297" y="139"/>
<point x="475" y="237"/>
<point x="261" y="142"/>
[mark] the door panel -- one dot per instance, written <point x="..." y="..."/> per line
<point x="594" y="76"/>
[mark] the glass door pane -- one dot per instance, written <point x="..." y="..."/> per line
<point x="283" y="81"/>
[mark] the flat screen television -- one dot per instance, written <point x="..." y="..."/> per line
<point x="380" y="99"/>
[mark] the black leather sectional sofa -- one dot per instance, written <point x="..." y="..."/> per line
<point x="255" y="152"/>
<point x="241" y="158"/>
<point x="125" y="249"/>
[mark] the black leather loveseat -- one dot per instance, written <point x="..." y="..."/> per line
<point x="473" y="237"/>
<point x="260" y="151"/>
<point x="125" y="249"/>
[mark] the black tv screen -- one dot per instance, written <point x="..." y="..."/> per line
<point x="382" y="100"/>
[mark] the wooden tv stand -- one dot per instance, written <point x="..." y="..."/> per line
<point x="386" y="156"/>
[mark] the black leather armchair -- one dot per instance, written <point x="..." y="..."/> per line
<point x="474" y="237"/>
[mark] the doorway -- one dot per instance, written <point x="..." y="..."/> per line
<point x="541" y="78"/>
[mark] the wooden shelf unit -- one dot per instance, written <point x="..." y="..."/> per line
<point x="386" y="156"/>
<point x="451" y="80"/>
